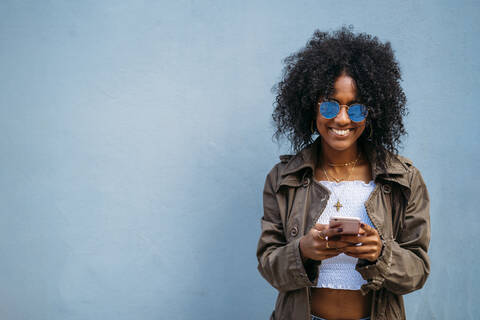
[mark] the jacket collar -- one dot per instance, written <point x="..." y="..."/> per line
<point x="395" y="170"/>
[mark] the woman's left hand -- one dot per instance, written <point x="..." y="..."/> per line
<point x="371" y="244"/>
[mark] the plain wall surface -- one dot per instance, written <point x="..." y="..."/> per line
<point x="136" y="137"/>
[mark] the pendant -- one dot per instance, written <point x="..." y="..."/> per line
<point x="338" y="205"/>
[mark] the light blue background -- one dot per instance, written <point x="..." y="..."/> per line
<point x="136" y="136"/>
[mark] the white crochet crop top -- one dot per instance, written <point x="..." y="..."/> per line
<point x="339" y="272"/>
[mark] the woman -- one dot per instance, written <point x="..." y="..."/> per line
<point x="345" y="87"/>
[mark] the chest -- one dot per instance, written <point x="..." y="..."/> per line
<point x="347" y="199"/>
<point x="304" y="205"/>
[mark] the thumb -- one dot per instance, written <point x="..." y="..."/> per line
<point x="318" y="235"/>
<point x="320" y="227"/>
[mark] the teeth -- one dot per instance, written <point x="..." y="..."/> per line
<point x="341" y="132"/>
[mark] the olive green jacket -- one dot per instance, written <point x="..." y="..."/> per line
<point x="398" y="207"/>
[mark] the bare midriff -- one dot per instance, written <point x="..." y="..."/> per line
<point x="336" y="304"/>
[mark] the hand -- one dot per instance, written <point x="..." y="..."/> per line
<point x="314" y="244"/>
<point x="371" y="244"/>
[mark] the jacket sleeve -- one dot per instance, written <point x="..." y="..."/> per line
<point x="279" y="261"/>
<point x="404" y="265"/>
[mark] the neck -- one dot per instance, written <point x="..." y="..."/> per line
<point x="329" y="155"/>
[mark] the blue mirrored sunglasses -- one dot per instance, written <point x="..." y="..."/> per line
<point x="357" y="112"/>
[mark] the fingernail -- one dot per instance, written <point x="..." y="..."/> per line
<point x="340" y="229"/>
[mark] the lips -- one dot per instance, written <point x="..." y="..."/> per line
<point x="340" y="132"/>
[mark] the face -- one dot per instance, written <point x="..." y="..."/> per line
<point x="341" y="133"/>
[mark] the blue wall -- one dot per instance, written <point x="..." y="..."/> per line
<point x="136" y="138"/>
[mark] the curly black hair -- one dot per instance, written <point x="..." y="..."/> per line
<point x="309" y="74"/>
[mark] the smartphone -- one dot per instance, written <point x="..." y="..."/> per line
<point x="350" y="225"/>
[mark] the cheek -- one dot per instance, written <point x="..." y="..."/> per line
<point x="320" y="123"/>
<point x="361" y="129"/>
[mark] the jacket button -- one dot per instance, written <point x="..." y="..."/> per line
<point x="386" y="188"/>
<point x="306" y="182"/>
<point x="294" y="231"/>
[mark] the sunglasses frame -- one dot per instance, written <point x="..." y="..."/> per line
<point x="340" y="108"/>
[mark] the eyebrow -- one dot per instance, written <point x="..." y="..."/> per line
<point x="350" y="102"/>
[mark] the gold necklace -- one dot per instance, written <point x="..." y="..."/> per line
<point x="338" y="205"/>
<point x="338" y="180"/>
<point x="341" y="164"/>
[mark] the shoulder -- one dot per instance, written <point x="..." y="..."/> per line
<point x="398" y="164"/>
<point x="412" y="173"/>
<point x="406" y="161"/>
<point x="279" y="168"/>
<point x="285" y="158"/>
<point x="408" y="165"/>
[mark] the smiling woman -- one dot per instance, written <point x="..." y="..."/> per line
<point x="346" y="224"/>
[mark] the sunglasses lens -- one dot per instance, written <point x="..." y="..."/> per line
<point x="357" y="112"/>
<point x="329" y="109"/>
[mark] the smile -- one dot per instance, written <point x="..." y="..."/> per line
<point x="340" y="133"/>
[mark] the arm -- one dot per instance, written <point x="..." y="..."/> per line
<point x="279" y="261"/>
<point x="403" y="265"/>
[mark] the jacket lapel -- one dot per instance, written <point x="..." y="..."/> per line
<point x="395" y="170"/>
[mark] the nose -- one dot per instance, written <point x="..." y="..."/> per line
<point x="342" y="118"/>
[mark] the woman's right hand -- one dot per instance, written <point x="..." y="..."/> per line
<point x="314" y="245"/>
